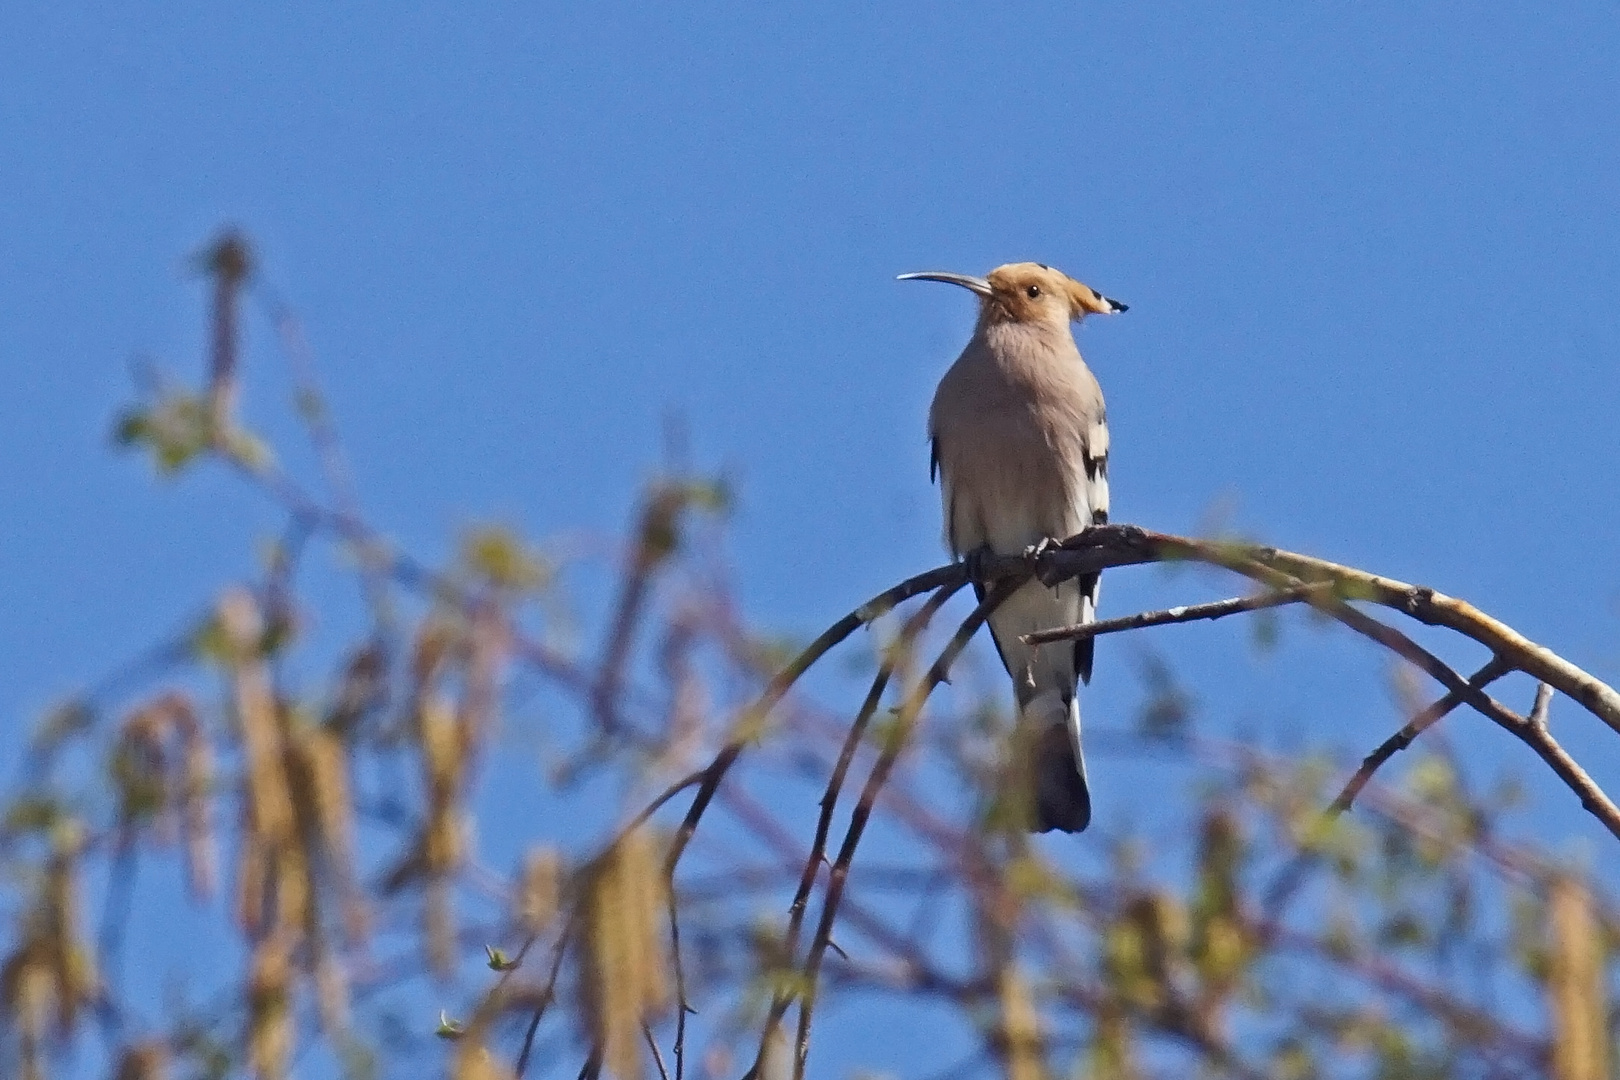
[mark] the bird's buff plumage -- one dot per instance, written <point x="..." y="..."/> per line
<point x="1020" y="445"/>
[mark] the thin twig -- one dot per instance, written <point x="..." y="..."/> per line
<point x="653" y="521"/>
<point x="1542" y="705"/>
<point x="120" y="900"/>
<point x="1292" y="875"/>
<point x="746" y="729"/>
<point x="875" y="780"/>
<point x="1593" y="799"/>
<point x="372" y="557"/>
<point x="1494" y="669"/>
<point x="851" y="913"/>
<point x="658" y="1058"/>
<point x="913" y="627"/>
<point x="1217" y="609"/>
<point x="683" y="1007"/>
<point x="548" y="993"/>
<point x="747" y="726"/>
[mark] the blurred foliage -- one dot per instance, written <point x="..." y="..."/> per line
<point x="664" y="917"/>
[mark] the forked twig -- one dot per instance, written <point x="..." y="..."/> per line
<point x="1493" y="669"/>
<point x="912" y="629"/>
<point x="839" y="875"/>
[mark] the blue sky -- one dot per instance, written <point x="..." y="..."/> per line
<point x="1370" y="253"/>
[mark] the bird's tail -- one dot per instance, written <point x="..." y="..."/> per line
<point x="1056" y="768"/>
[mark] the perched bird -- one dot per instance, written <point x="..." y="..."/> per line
<point x="1020" y="447"/>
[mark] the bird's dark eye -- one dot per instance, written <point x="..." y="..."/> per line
<point x="1033" y="291"/>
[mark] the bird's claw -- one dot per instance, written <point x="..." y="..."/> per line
<point x="978" y="561"/>
<point x="1036" y="553"/>
<point x="974" y="561"/>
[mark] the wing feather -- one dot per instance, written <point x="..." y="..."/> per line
<point x="1096" y="464"/>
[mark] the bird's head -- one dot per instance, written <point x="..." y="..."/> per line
<point x="1029" y="293"/>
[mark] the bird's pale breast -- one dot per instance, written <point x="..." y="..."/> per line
<point x="1010" y="422"/>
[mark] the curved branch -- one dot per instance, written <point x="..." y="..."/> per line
<point x="1287" y="577"/>
<point x="1493" y="669"/>
<point x="748" y="725"/>
<point x="1108" y="546"/>
<point x="1128" y="545"/>
<point x="906" y="718"/>
<point x="902" y="646"/>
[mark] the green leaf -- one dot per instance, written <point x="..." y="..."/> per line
<point x="34" y="812"/>
<point x="175" y="429"/>
<point x="499" y="556"/>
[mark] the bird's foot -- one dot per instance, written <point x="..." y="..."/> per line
<point x="1046" y="543"/>
<point x="977" y="564"/>
<point x="1035" y="556"/>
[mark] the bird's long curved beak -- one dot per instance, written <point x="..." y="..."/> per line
<point x="967" y="281"/>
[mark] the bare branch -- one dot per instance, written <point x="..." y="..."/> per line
<point x="812" y="864"/>
<point x="1494" y="669"/>
<point x="1107" y="546"/>
<point x="875" y="780"/>
<point x="1218" y="609"/>
<point x="1543" y="703"/>
<point x="747" y="726"/>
